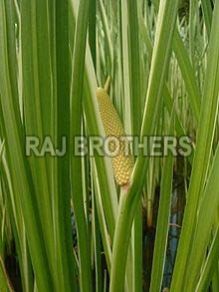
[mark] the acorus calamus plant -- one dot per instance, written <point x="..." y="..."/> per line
<point x="109" y="69"/>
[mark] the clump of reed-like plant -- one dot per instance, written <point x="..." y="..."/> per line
<point x="164" y="70"/>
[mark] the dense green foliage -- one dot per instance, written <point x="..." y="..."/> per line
<point x="65" y="224"/>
